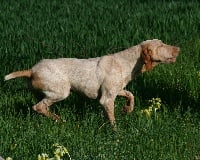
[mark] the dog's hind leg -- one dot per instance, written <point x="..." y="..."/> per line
<point x="50" y="98"/>
<point x="43" y="108"/>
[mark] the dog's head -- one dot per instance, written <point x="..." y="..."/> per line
<point x="155" y="52"/>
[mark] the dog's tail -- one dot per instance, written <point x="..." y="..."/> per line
<point x="25" y="73"/>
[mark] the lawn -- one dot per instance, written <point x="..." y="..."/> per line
<point x="34" y="30"/>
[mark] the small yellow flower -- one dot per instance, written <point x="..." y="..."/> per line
<point x="155" y="104"/>
<point x="158" y="100"/>
<point x="59" y="152"/>
<point x="158" y="104"/>
<point x="13" y="146"/>
<point x="8" y="158"/>
<point x="146" y="112"/>
<point x="43" y="156"/>
<point x="150" y="109"/>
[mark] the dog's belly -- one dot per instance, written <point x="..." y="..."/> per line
<point x="84" y="76"/>
<point x="88" y="87"/>
<point x="93" y="94"/>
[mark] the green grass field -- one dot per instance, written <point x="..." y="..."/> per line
<point x="33" y="30"/>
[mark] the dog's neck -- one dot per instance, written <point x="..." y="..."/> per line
<point x="131" y="59"/>
<point x="131" y="62"/>
<point x="139" y="59"/>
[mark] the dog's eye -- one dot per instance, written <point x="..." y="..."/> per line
<point x="150" y="51"/>
<point x="160" y="46"/>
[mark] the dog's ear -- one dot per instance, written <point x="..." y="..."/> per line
<point x="146" y="57"/>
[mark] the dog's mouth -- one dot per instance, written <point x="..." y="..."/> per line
<point x="166" y="60"/>
<point x="171" y="60"/>
<point x="174" y="55"/>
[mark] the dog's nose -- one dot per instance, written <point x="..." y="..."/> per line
<point x="175" y="51"/>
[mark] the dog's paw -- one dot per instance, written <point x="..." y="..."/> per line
<point x="127" y="109"/>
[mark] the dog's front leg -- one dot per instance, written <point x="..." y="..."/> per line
<point x="108" y="104"/>
<point x="130" y="103"/>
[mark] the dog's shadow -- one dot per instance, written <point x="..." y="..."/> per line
<point x="24" y="98"/>
<point x="79" y="105"/>
<point x="171" y="95"/>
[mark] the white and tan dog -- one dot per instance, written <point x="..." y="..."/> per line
<point x="102" y="77"/>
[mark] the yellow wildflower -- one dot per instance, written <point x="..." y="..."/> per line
<point x="43" y="156"/>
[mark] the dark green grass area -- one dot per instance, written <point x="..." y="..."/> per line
<point x="33" y="30"/>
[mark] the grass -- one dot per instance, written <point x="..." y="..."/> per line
<point x="33" y="30"/>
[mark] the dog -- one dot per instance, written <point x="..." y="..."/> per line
<point x="103" y="77"/>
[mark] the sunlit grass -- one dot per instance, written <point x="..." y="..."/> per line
<point x="33" y="30"/>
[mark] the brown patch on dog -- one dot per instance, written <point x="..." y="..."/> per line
<point x="175" y="51"/>
<point x="146" y="56"/>
<point x="36" y="82"/>
<point x="25" y="73"/>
